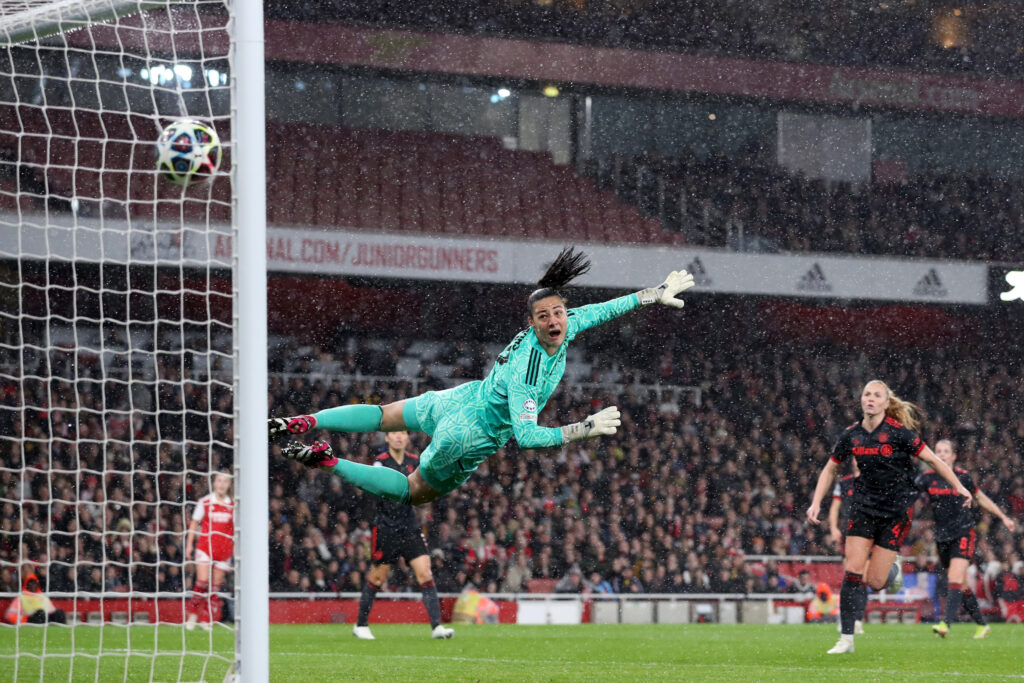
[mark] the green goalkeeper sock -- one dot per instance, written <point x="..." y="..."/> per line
<point x="380" y="481"/>
<point x="355" y="418"/>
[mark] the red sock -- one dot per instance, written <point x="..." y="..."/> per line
<point x="198" y="604"/>
<point x="215" y="605"/>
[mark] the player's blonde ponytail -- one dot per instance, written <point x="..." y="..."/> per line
<point x="904" y="412"/>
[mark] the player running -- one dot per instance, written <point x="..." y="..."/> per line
<point x="838" y="517"/>
<point x="396" y="533"/>
<point x="214" y="520"/>
<point x="473" y="420"/>
<point x="883" y="496"/>
<point x="955" y="537"/>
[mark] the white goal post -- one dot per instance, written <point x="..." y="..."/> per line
<point x="133" y="354"/>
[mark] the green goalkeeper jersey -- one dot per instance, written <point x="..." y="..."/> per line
<point x="524" y="376"/>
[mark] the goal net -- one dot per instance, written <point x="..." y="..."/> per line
<point x="117" y="344"/>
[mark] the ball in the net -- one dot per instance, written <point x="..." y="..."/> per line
<point x="188" y="152"/>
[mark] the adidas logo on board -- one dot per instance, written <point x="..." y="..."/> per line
<point x="814" y="280"/>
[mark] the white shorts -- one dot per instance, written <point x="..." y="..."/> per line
<point x="203" y="558"/>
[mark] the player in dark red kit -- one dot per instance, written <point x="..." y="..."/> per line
<point x="885" y="445"/>
<point x="397" y="533"/>
<point x="955" y="537"/>
<point x="838" y="517"/>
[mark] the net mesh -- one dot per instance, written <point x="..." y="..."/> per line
<point x="116" y="346"/>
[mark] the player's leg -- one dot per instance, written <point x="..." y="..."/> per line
<point x="886" y="567"/>
<point x="949" y="550"/>
<point x="380" y="481"/>
<point x="974" y="609"/>
<point x="416" y="414"/>
<point x="957" y="576"/>
<point x="198" y="606"/>
<point x="393" y="417"/>
<point x="970" y="600"/>
<point x="425" y="578"/>
<point x="860" y="602"/>
<point x="945" y="553"/>
<point x="882" y="568"/>
<point x="860" y="597"/>
<point x="363" y="418"/>
<point x="216" y="585"/>
<point x="375" y="579"/>
<point x="857" y="550"/>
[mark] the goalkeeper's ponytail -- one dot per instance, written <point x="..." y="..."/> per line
<point x="567" y="266"/>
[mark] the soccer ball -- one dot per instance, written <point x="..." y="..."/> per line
<point x="188" y="152"/>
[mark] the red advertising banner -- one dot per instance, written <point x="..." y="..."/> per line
<point x="281" y="611"/>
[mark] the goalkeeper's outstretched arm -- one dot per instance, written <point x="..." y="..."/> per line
<point x="522" y="407"/>
<point x="585" y="317"/>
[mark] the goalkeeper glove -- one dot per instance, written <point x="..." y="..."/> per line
<point x="603" y="423"/>
<point x="677" y="282"/>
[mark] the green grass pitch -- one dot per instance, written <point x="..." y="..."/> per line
<point x="309" y="654"/>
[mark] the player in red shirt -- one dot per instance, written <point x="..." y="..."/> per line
<point x="887" y="450"/>
<point x="213" y="521"/>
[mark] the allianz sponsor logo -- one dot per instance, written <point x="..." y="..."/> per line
<point x="814" y="280"/>
<point x="931" y="285"/>
<point x="699" y="272"/>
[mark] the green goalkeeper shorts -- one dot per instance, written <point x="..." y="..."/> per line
<point x="459" y="442"/>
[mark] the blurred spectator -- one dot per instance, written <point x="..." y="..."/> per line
<point x="571" y="582"/>
<point x="1009" y="591"/>
<point x="824" y="606"/>
<point x="32" y="607"/>
<point x="803" y="583"/>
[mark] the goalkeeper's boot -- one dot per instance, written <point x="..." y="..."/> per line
<point x="895" y="582"/>
<point x="318" y="454"/>
<point x="442" y="633"/>
<point x="283" y="426"/>
<point x="362" y="633"/>
<point x="941" y="629"/>
<point x="844" y="645"/>
<point x="982" y="632"/>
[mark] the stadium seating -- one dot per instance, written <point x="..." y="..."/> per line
<point x="378" y="180"/>
<point x="452" y="185"/>
<point x="744" y="205"/>
<point x="400" y="181"/>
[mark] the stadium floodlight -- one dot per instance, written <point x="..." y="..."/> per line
<point x="132" y="333"/>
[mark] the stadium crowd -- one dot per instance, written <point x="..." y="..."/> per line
<point x="674" y="502"/>
<point x="746" y="205"/>
<point x="979" y="41"/>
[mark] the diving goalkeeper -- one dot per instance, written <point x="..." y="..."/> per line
<point x="471" y="421"/>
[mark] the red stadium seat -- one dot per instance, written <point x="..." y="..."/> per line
<point x="541" y="585"/>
